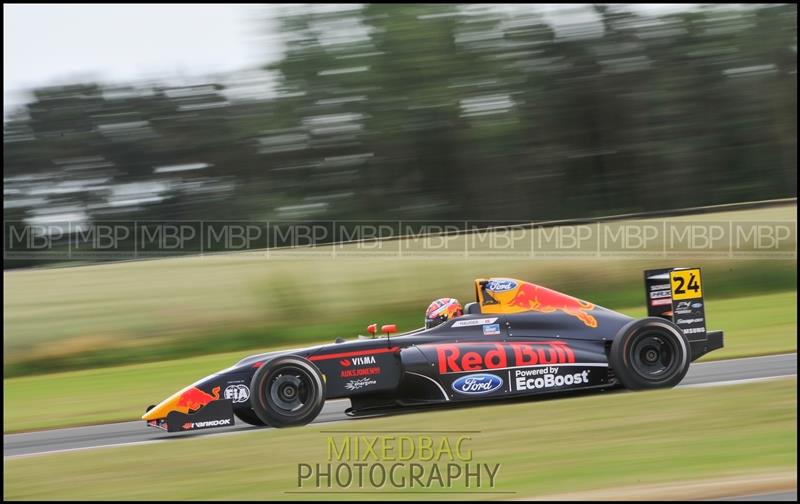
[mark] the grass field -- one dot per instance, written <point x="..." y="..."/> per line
<point x="542" y="448"/>
<point x="753" y="326"/>
<point x="102" y="315"/>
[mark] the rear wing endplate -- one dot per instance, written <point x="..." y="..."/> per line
<point x="676" y="294"/>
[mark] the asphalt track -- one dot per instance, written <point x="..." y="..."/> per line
<point x="125" y="433"/>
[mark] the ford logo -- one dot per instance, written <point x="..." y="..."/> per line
<point x="697" y="305"/>
<point x="501" y="285"/>
<point x="477" y="384"/>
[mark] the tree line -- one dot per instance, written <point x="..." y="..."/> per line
<point x="432" y="112"/>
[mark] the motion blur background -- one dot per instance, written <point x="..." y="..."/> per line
<point x="428" y="113"/>
<point x="374" y="111"/>
<point x="395" y="111"/>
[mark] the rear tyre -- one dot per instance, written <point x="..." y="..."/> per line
<point x="650" y="353"/>
<point x="248" y="416"/>
<point x="287" y="391"/>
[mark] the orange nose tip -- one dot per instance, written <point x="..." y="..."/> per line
<point x="165" y="407"/>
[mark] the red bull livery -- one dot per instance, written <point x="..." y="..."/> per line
<point x="516" y="339"/>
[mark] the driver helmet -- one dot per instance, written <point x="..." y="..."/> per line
<point x="442" y="310"/>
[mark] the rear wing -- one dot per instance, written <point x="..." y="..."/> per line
<point x="676" y="294"/>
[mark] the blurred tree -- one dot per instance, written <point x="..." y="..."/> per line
<point x="434" y="111"/>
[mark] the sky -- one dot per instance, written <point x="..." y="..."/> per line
<point x="57" y="44"/>
<point x="54" y="44"/>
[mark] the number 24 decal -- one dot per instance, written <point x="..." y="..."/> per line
<point x="692" y="284"/>
<point x="686" y="284"/>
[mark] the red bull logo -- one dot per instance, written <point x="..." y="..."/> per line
<point x="453" y="358"/>
<point x="541" y="299"/>
<point x="194" y="398"/>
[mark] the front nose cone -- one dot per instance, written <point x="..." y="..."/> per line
<point x="162" y="409"/>
<point x="190" y="398"/>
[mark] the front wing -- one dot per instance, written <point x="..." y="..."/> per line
<point x="215" y="414"/>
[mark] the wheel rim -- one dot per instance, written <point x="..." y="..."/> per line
<point x="290" y="391"/>
<point x="654" y="356"/>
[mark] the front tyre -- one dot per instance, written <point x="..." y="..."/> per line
<point x="650" y="353"/>
<point x="287" y="391"/>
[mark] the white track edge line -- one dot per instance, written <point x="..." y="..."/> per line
<point x="134" y="443"/>
<point x="724" y="383"/>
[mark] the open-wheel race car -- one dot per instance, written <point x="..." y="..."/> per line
<point x="516" y="339"/>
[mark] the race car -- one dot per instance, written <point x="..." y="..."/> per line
<point x="516" y="339"/>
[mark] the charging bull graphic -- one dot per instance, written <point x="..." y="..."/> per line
<point x="507" y="295"/>
<point x="194" y="399"/>
<point x="541" y="299"/>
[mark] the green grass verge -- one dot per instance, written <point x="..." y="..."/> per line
<point x="101" y="315"/>
<point x="542" y="448"/>
<point x="753" y="326"/>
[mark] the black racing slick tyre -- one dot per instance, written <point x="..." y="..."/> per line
<point x="287" y="391"/>
<point x="650" y="353"/>
<point x="248" y="416"/>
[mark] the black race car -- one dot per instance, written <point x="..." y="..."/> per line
<point x="516" y="339"/>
